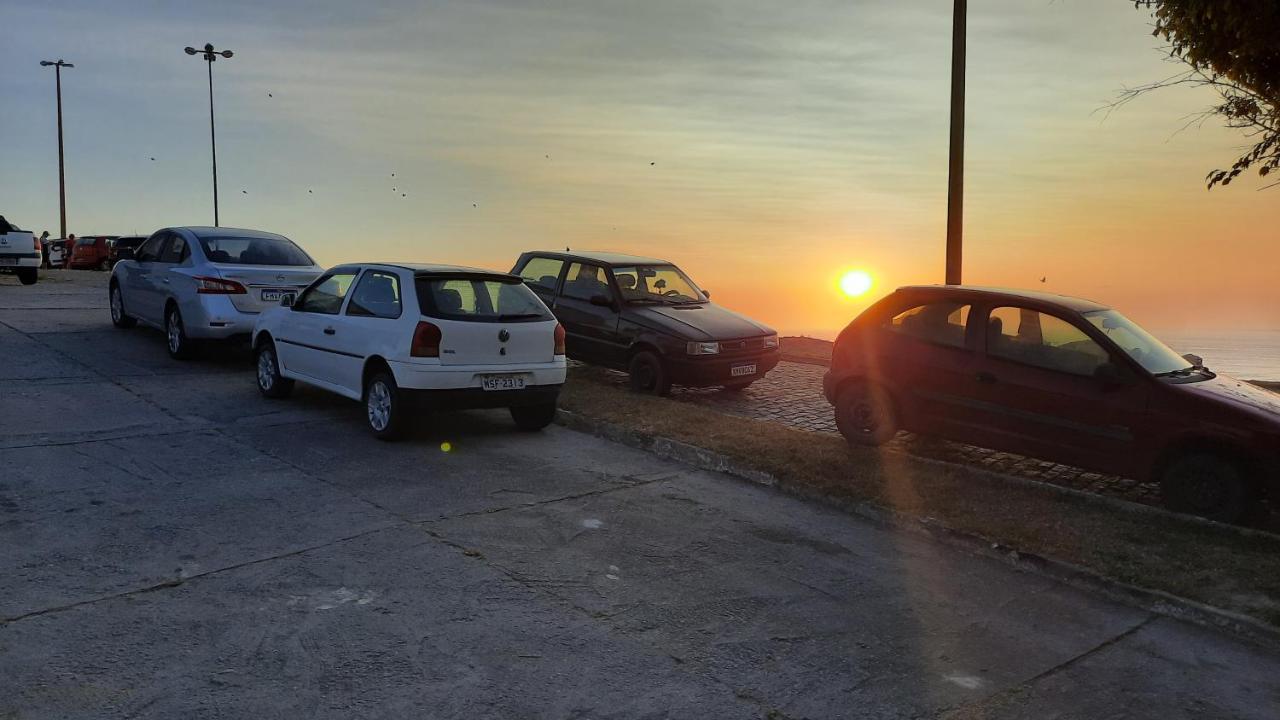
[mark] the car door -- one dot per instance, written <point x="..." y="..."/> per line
<point x="924" y="352"/>
<point x="1040" y="393"/>
<point x="588" y="308"/>
<point x="369" y="324"/>
<point x="140" y="288"/>
<point x="306" y="345"/>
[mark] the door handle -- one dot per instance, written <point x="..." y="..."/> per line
<point x="986" y="378"/>
<point x="328" y="331"/>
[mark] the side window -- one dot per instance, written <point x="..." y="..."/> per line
<point x="326" y="295"/>
<point x="150" y="250"/>
<point x="541" y="273"/>
<point x="1035" y="338"/>
<point x="941" y="323"/>
<point x="584" y="282"/>
<point x="175" y="251"/>
<point x="377" y="294"/>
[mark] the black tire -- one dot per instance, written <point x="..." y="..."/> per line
<point x="104" y="264"/>
<point x="649" y="374"/>
<point x="28" y="276"/>
<point x="383" y="406"/>
<point x="865" y="415"/>
<point x="532" y="418"/>
<point x="180" y="347"/>
<point x="267" y="365"/>
<point x="1208" y="485"/>
<point x="119" y="317"/>
<point x="738" y="386"/>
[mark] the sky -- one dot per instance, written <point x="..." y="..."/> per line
<point x="765" y="147"/>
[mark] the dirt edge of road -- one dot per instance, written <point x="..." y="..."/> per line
<point x="1212" y="574"/>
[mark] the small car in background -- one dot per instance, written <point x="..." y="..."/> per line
<point x="20" y="252"/>
<point x="400" y="336"/>
<point x="91" y="252"/>
<point x="129" y="242"/>
<point x="1057" y="378"/>
<point x="646" y="317"/>
<point x="55" y="253"/>
<point x="205" y="283"/>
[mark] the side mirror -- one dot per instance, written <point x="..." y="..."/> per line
<point x="1195" y="360"/>
<point x="286" y="300"/>
<point x="1111" y="376"/>
<point x="601" y="301"/>
<point x="124" y="254"/>
<point x="706" y="294"/>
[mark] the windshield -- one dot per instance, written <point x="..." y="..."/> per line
<point x="657" y="283"/>
<point x="479" y="299"/>
<point x="1139" y="344"/>
<point x="254" y="251"/>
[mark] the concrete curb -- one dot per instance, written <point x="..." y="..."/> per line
<point x="1154" y="601"/>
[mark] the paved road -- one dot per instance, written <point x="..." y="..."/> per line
<point x="171" y="545"/>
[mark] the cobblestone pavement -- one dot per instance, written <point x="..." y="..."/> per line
<point x="791" y="394"/>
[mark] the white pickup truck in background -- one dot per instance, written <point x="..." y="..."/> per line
<point x="19" y="252"/>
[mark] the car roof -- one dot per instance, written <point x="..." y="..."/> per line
<point x="602" y="257"/>
<point x="204" y="231"/>
<point x="1012" y="294"/>
<point x="433" y="268"/>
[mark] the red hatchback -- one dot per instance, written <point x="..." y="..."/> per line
<point x="92" y="253"/>
<point x="1058" y="378"/>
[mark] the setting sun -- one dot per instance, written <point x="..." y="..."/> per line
<point x="855" y="283"/>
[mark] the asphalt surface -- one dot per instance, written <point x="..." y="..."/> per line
<point x="173" y="545"/>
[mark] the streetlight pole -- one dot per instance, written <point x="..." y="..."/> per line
<point x="210" y="55"/>
<point x="955" y="180"/>
<point x="62" y="177"/>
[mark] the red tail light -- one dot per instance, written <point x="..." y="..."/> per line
<point x="36" y="240"/>
<point x="426" y="341"/>
<point x="218" y="286"/>
<point x="559" y="339"/>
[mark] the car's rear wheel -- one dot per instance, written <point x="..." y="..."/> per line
<point x="1208" y="485"/>
<point x="270" y="383"/>
<point x="28" y="276"/>
<point x="179" y="345"/>
<point x="532" y="418"/>
<point x="383" y="411"/>
<point x="119" y="317"/>
<point x="104" y="264"/>
<point x="649" y="374"/>
<point x="865" y="414"/>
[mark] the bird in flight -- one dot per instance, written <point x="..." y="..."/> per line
<point x="270" y="95"/>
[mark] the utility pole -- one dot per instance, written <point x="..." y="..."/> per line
<point x="62" y="177"/>
<point x="955" y="180"/>
<point x="210" y="55"/>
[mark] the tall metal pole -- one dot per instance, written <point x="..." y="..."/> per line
<point x="213" y="142"/>
<point x="955" y="183"/>
<point x="62" y="174"/>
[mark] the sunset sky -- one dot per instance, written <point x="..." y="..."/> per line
<point x="765" y="147"/>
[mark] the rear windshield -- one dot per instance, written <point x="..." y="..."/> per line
<point x="128" y="242"/>
<point x="479" y="299"/>
<point x="87" y="241"/>
<point x="254" y="251"/>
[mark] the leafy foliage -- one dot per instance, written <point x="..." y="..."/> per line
<point x="1232" y="46"/>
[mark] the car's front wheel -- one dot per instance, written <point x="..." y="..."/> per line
<point x="179" y="345"/>
<point x="382" y="400"/>
<point x="532" y="418"/>
<point x="865" y="414"/>
<point x="1207" y="485"/>
<point x="270" y="383"/>
<point x="649" y="374"/>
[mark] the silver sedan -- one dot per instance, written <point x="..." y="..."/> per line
<point x="205" y="283"/>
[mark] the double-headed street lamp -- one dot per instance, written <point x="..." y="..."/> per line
<point x="62" y="179"/>
<point x="211" y="55"/>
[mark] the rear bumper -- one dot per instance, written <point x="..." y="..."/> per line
<point x="475" y="398"/>
<point x="433" y="376"/>
<point x="213" y="317"/>
<point x="14" y="261"/>
<point x="710" y="371"/>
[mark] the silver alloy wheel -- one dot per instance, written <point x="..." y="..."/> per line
<point x="266" y="369"/>
<point x="117" y="307"/>
<point x="174" y="330"/>
<point x="379" y="406"/>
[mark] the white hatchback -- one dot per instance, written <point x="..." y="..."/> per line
<point x="395" y="336"/>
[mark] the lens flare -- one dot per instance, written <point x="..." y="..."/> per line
<point x="855" y="283"/>
<point x="446" y="447"/>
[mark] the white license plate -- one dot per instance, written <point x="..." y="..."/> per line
<point x="740" y="370"/>
<point x="8" y="261"/>
<point x="502" y="382"/>
<point x="273" y="295"/>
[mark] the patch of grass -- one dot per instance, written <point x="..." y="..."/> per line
<point x="1209" y="564"/>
